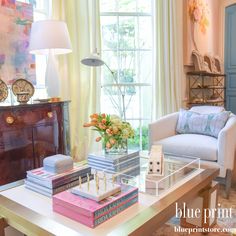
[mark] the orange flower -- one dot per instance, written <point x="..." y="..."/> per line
<point x="95" y="120"/>
<point x="108" y="145"/>
<point x="104" y="121"/>
<point x="101" y="126"/>
<point x="87" y="125"/>
<point x="112" y="141"/>
<point x="108" y="131"/>
<point x="95" y="115"/>
<point x="115" y="130"/>
<point x="98" y="139"/>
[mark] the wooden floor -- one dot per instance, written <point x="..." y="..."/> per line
<point x="169" y="227"/>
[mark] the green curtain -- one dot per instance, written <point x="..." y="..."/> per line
<point x="168" y="56"/>
<point x="79" y="83"/>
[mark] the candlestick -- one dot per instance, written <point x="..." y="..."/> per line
<point x="113" y="180"/>
<point x="97" y="183"/>
<point x="105" y="181"/>
<point x="88" y="181"/>
<point x="80" y="181"/>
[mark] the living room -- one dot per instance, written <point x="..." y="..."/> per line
<point x="129" y="100"/>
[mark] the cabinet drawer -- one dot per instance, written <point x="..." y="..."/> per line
<point x="19" y="118"/>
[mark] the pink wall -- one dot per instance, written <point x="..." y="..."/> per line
<point x="208" y="42"/>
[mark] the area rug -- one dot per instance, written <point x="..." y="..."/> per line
<point x="222" y="223"/>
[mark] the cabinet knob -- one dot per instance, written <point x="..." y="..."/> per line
<point x="10" y="120"/>
<point x="50" y="114"/>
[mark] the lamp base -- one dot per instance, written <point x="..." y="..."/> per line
<point x="52" y="76"/>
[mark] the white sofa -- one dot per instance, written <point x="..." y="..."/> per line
<point x="214" y="152"/>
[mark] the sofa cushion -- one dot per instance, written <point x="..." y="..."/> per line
<point x="193" y="145"/>
<point x="194" y="123"/>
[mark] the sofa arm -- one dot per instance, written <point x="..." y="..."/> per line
<point x="163" y="128"/>
<point x="227" y="144"/>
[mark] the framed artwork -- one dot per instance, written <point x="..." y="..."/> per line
<point x="15" y="60"/>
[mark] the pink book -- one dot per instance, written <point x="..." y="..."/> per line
<point x="89" y="208"/>
<point x="92" y="222"/>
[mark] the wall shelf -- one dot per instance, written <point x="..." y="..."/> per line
<point x="206" y="88"/>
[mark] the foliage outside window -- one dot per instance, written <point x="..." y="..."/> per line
<point x="127" y="47"/>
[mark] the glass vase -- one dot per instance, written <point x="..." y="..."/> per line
<point x="120" y="147"/>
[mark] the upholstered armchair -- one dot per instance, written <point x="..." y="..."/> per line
<point x="213" y="151"/>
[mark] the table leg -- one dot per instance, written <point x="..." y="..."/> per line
<point x="3" y="225"/>
<point x="206" y="204"/>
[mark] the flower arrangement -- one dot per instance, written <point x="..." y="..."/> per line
<point x="112" y="130"/>
<point x="198" y="12"/>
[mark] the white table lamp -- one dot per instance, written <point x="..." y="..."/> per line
<point x="50" y="37"/>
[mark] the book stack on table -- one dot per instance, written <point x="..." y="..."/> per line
<point x="49" y="183"/>
<point x="90" y="212"/>
<point x="125" y="163"/>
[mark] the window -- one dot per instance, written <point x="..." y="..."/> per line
<point x="127" y="48"/>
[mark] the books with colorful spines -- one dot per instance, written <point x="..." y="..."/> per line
<point x="92" y="213"/>
<point x="112" y="159"/>
<point x="51" y="191"/>
<point x="52" y="180"/>
<point x="57" y="184"/>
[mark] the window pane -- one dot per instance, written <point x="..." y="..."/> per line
<point x="145" y="32"/>
<point x="39" y="16"/>
<point x="111" y="59"/>
<point x="109" y="32"/>
<point x="135" y="143"/>
<point x="108" y="5"/>
<point x="127" y="66"/>
<point x="126" y="32"/>
<point x="146" y="102"/>
<point x="127" y="5"/>
<point x="145" y="67"/>
<point x="145" y="6"/>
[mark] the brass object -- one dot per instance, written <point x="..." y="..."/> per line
<point x="88" y="181"/>
<point x="80" y="181"/>
<point x="10" y="120"/>
<point x="22" y="97"/>
<point x="22" y="85"/>
<point x="105" y="181"/>
<point x="113" y="180"/>
<point x="55" y="99"/>
<point x="97" y="183"/>
<point x="50" y="114"/>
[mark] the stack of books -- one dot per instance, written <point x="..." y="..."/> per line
<point x="90" y="212"/>
<point x="49" y="183"/>
<point x="115" y="163"/>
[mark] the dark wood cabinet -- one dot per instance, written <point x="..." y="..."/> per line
<point x="29" y="133"/>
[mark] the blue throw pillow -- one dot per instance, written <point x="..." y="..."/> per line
<point x="195" y="123"/>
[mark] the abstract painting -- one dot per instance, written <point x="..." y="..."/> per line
<point x="15" y="61"/>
